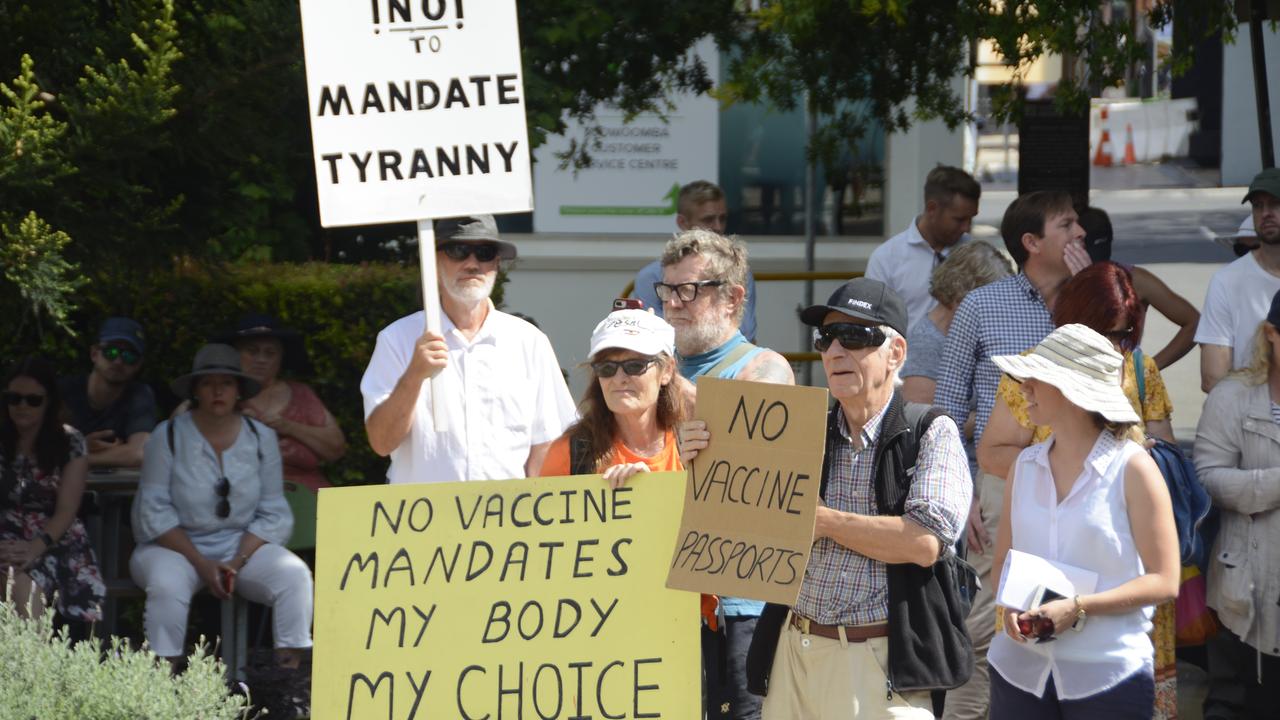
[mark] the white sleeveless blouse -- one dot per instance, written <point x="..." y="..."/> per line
<point x="1089" y="529"/>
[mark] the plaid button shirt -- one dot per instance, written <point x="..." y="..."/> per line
<point x="1006" y="317"/>
<point x="845" y="587"/>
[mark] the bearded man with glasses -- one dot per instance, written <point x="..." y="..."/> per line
<point x="110" y="406"/>
<point x="704" y="294"/>
<point x="501" y="386"/>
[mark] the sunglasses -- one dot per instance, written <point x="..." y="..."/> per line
<point x="634" y="368"/>
<point x="851" y="336"/>
<point x="687" y="292"/>
<point x="14" y="399"/>
<point x="484" y="252"/>
<point x="125" y="355"/>
<point x="223" y="490"/>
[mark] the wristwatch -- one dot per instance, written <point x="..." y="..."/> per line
<point x="47" y="539"/>
<point x="1080" y="612"/>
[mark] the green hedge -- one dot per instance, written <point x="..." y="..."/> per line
<point x="338" y="308"/>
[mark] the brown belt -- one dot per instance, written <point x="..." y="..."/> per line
<point x="852" y="633"/>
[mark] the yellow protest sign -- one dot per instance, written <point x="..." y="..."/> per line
<point x="539" y="598"/>
<point x="751" y="495"/>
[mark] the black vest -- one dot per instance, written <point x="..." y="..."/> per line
<point x="929" y="647"/>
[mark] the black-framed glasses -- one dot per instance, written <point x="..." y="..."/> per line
<point x="851" y="336"/>
<point x="687" y="292"/>
<point x="13" y="399"/>
<point x="634" y="367"/>
<point x="484" y="252"/>
<point x="224" y="504"/>
<point x="124" y="355"/>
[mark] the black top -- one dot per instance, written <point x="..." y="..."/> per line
<point x="133" y="412"/>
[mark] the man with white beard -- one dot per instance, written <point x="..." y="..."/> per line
<point x="504" y="396"/>
<point x="703" y="293"/>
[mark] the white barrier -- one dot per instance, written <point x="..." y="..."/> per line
<point x="1160" y="128"/>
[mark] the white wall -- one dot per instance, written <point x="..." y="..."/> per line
<point x="1241" y="157"/>
<point x="908" y="158"/>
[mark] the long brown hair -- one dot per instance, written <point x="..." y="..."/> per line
<point x="597" y="427"/>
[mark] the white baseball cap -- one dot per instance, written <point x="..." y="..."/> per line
<point x="637" y="330"/>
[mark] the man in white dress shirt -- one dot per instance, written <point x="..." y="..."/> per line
<point x="905" y="261"/>
<point x="504" y="396"/>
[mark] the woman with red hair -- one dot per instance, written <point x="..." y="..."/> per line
<point x="1102" y="297"/>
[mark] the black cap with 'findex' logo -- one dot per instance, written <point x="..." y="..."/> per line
<point x="865" y="299"/>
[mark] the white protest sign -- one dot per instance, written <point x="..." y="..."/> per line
<point x="417" y="109"/>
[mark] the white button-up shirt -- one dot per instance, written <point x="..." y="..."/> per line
<point x="502" y="391"/>
<point x="905" y="263"/>
<point x="1088" y="529"/>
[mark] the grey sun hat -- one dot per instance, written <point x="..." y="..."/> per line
<point x="1082" y="364"/>
<point x="216" y="359"/>
<point x="475" y="228"/>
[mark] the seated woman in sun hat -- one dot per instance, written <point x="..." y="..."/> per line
<point x="1091" y="497"/>
<point x="631" y="407"/>
<point x="211" y="513"/>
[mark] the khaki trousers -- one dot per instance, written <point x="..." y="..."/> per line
<point x="817" y="678"/>
<point x="970" y="701"/>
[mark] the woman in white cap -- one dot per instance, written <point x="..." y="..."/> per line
<point x="211" y="513"/>
<point x="631" y="407"/>
<point x="1092" y="498"/>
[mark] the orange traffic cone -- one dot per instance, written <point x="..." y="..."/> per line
<point x="1102" y="158"/>
<point x="1130" y="157"/>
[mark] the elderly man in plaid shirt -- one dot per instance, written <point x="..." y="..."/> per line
<point x="1042" y="233"/>
<point x="832" y="654"/>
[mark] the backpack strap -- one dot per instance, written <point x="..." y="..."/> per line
<point x="918" y="417"/>
<point x="1140" y="374"/>
<point x="579" y="451"/>
<point x="732" y="357"/>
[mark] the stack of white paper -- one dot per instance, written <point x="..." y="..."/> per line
<point x="1023" y="574"/>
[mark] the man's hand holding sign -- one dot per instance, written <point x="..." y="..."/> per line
<point x="752" y="489"/>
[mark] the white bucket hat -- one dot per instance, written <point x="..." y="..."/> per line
<point x="637" y="330"/>
<point x="1082" y="364"/>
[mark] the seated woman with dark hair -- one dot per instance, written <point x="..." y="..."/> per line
<point x="631" y="407"/>
<point x="44" y="550"/>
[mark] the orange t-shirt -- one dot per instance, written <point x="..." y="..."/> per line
<point x="557" y="462"/>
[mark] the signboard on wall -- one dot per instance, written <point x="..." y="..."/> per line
<point x="417" y="109"/>
<point x="637" y="167"/>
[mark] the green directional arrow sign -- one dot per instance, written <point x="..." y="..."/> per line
<point x="669" y="209"/>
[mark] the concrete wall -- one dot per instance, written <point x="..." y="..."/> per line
<point x="908" y="158"/>
<point x="1241" y="157"/>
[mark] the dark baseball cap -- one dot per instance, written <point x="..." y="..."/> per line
<point x="865" y="299"/>
<point x="1267" y="181"/>
<point x="122" y="329"/>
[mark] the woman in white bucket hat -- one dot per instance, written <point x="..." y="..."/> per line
<point x="1088" y="497"/>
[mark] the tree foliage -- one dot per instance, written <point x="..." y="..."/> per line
<point x="893" y="62"/>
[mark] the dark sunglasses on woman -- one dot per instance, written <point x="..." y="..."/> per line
<point x="850" y="336"/>
<point x="484" y="252"/>
<point x="634" y="368"/>
<point x="13" y="399"/>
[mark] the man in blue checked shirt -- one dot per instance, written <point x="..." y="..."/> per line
<point x="1042" y="233"/>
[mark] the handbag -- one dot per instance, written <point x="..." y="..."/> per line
<point x="1194" y="622"/>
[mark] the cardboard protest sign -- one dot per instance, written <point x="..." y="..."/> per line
<point x="751" y="495"/>
<point x="538" y="598"/>
<point x="417" y="109"/>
